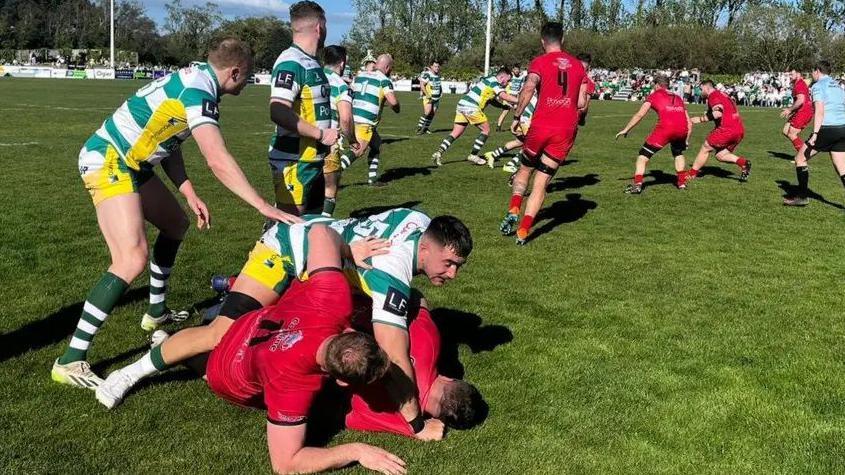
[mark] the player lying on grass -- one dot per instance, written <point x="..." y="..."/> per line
<point x="725" y="137"/>
<point x="673" y="128"/>
<point x="470" y="110"/>
<point x="828" y="132"/>
<point x="454" y="402"/>
<point x="417" y="245"/>
<point x="116" y="165"/>
<point x="800" y="114"/>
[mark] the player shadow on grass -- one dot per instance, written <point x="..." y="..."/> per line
<point x="573" y="208"/>
<point x="791" y="190"/>
<point x="393" y="140"/>
<point x="394" y="174"/>
<point x="371" y="210"/>
<point x="573" y="182"/>
<point x="781" y="155"/>
<point x="327" y="416"/>
<point x="54" y="328"/>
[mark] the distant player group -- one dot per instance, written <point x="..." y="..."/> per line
<point x="321" y="298"/>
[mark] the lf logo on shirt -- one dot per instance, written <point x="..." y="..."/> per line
<point x="396" y="302"/>
<point x="284" y="79"/>
<point x="210" y="109"/>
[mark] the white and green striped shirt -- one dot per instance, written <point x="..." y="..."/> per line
<point x="516" y="82"/>
<point x="430" y="83"/>
<point x="479" y="94"/>
<point x="368" y="94"/>
<point x="153" y="123"/>
<point x="528" y="112"/>
<point x="340" y="93"/>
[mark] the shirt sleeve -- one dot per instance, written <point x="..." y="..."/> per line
<point x="387" y="85"/>
<point x="200" y="108"/>
<point x="286" y="83"/>
<point x="344" y="94"/>
<point x="286" y="405"/>
<point x="389" y="284"/>
<point x="818" y="93"/>
<point x="535" y="68"/>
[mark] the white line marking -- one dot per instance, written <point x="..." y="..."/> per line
<point x="17" y="144"/>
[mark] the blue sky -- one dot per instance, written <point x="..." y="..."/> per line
<point x="339" y="13"/>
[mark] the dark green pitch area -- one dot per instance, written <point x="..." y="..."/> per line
<point x="696" y="331"/>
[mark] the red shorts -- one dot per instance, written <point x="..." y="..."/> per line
<point x="725" y="139"/>
<point x="226" y="370"/>
<point x="662" y="137"/>
<point x="801" y="119"/>
<point x="552" y="142"/>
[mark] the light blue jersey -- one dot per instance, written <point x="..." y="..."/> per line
<point x="828" y="91"/>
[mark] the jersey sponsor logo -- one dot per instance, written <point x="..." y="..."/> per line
<point x="285" y="79"/>
<point x="563" y="63"/>
<point x="285" y="419"/>
<point x="326" y="90"/>
<point x="396" y="302"/>
<point x="210" y="109"/>
<point x="286" y="339"/>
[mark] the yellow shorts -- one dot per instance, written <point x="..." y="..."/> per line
<point x="105" y="175"/>
<point x="364" y="132"/>
<point x="429" y="101"/>
<point x="269" y="267"/>
<point x="299" y="183"/>
<point x="476" y="117"/>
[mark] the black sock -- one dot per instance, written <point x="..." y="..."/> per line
<point x="803" y="174"/>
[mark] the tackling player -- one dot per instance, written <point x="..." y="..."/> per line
<point x="518" y="129"/>
<point x="558" y="78"/>
<point x="828" y="131"/>
<point x="300" y="108"/>
<point x="725" y="137"/>
<point x="456" y="403"/>
<point x="513" y="88"/>
<point x="116" y="165"/>
<point x="800" y="114"/>
<point x="431" y="89"/>
<point x="370" y="91"/>
<point x="334" y="58"/>
<point x="673" y="128"/>
<point x="470" y="110"/>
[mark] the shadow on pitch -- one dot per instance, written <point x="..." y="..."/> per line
<point x="371" y="210"/>
<point x="791" y="190"/>
<point x="394" y="174"/>
<point x="781" y="155"/>
<point x="463" y="328"/>
<point x="573" y="208"/>
<point x="573" y="182"/>
<point x="53" y="328"/>
<point x="393" y="140"/>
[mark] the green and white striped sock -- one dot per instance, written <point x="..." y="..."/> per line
<point x="97" y="307"/>
<point x="164" y="255"/>
<point x="479" y="144"/>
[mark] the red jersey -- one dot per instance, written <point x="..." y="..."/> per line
<point x="268" y="358"/>
<point x="591" y="85"/>
<point x="561" y="76"/>
<point x="372" y="408"/>
<point x="800" y="87"/>
<point x="670" y="108"/>
<point x="730" y="115"/>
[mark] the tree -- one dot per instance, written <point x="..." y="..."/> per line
<point x="268" y="37"/>
<point x="189" y="30"/>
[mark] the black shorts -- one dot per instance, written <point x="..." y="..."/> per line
<point x="831" y="138"/>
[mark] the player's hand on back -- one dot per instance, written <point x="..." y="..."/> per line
<point x="367" y="248"/>
<point x="380" y="460"/>
<point x="329" y="136"/>
<point x="434" y="430"/>
<point x="270" y="211"/>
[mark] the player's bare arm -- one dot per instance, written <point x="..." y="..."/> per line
<point x="174" y="168"/>
<point x="226" y="169"/>
<point x="583" y="97"/>
<point x="509" y="98"/>
<point x="392" y="101"/>
<point x="799" y="102"/>
<point x="525" y="95"/>
<point x="282" y="114"/>
<point x="347" y="124"/>
<point x="714" y="114"/>
<point x="635" y="119"/>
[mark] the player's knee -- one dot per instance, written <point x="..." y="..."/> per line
<point x="132" y="261"/>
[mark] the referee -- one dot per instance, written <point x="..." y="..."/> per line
<point x="828" y="131"/>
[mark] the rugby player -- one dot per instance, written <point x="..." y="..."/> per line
<point x="586" y="59"/>
<point x="470" y="110"/>
<point x="417" y="245"/>
<point x="725" y="137"/>
<point x="800" y="114"/>
<point x="518" y="129"/>
<point x="513" y="88"/>
<point x="431" y="90"/>
<point x="558" y="78"/>
<point x="828" y="131"/>
<point x="334" y="58"/>
<point x="116" y="167"/>
<point x="454" y="402"/>
<point x="673" y="128"/>
<point x="370" y="91"/>
<point x="300" y="108"/>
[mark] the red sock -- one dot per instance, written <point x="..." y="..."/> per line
<point x="638" y="179"/>
<point x="797" y="143"/>
<point x="526" y="223"/>
<point x="741" y="162"/>
<point x="692" y="172"/>
<point x="682" y="178"/>
<point x="516" y="204"/>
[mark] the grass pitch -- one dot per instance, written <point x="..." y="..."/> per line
<point x="695" y="331"/>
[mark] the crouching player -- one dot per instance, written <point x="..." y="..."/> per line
<point x="454" y="402"/>
<point x="727" y="135"/>
<point x="673" y="128"/>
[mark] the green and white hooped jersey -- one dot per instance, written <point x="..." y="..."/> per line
<point x="299" y="78"/>
<point x="368" y="94"/>
<point x="434" y="82"/>
<point x="339" y="93"/>
<point x="516" y="82"/>
<point x="388" y="283"/>
<point x="479" y="94"/>
<point x="151" y="124"/>
<point x="528" y="112"/>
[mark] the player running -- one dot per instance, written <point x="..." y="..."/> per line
<point x="431" y="90"/>
<point x="300" y="108"/>
<point x="116" y="165"/>
<point x="727" y="135"/>
<point x="586" y="59"/>
<point x="828" y="131"/>
<point x="513" y="88"/>
<point x="558" y="78"/>
<point x="518" y="129"/>
<point x="334" y="57"/>
<point x="673" y="128"/>
<point x="470" y="110"/>
<point x="370" y="91"/>
<point x="800" y="114"/>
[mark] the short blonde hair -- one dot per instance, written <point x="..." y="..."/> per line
<point x="228" y="52"/>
